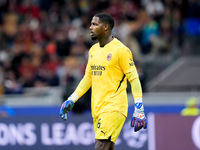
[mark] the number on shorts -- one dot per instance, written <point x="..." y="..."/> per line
<point x="99" y="123"/>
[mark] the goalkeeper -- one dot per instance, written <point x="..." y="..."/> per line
<point x="110" y="64"/>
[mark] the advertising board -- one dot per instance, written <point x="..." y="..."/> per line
<point x="167" y="132"/>
<point x="50" y="133"/>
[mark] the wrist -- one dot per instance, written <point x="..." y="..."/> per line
<point x="138" y="100"/>
<point x="139" y="104"/>
<point x="74" y="97"/>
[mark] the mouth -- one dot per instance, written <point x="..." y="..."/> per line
<point x="91" y="33"/>
<point x="93" y="37"/>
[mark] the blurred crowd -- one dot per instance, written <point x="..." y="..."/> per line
<point x="45" y="43"/>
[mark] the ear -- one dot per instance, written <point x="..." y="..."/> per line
<point x="106" y="27"/>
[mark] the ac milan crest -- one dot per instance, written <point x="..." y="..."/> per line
<point x="109" y="56"/>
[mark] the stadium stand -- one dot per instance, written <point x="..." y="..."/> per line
<point x="182" y="76"/>
<point x="45" y="45"/>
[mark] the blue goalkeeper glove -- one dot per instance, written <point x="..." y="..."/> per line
<point x="65" y="108"/>
<point x="138" y="120"/>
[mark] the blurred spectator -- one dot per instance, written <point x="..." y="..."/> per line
<point x="122" y="29"/>
<point x="191" y="108"/>
<point x="193" y="18"/>
<point x="79" y="48"/>
<point x="52" y="65"/>
<point x="49" y="33"/>
<point x="161" y="43"/>
<point x="149" y="30"/>
<point x="115" y="9"/>
<point x="102" y="5"/>
<point x="2" y="76"/>
<point x="26" y="67"/>
<point x="28" y="7"/>
<point x="134" y="46"/>
<point x="12" y="86"/>
<point x="3" y="8"/>
<point x="192" y="28"/>
<point x="72" y="9"/>
<point x="1" y="89"/>
<point x="63" y="44"/>
<point x="84" y="6"/>
<point x="130" y="10"/>
<point x="10" y="26"/>
<point x="193" y="9"/>
<point x="155" y="9"/>
<point x="17" y="53"/>
<point x="46" y="44"/>
<point x="70" y="73"/>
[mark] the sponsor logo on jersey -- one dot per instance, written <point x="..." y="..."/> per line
<point x="97" y="70"/>
<point x="131" y="63"/>
<point x="99" y="67"/>
<point x="109" y="56"/>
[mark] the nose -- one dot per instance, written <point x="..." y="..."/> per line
<point x="90" y="27"/>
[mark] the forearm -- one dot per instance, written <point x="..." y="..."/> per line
<point x="136" y="88"/>
<point x="138" y="119"/>
<point x="82" y="88"/>
<point x="135" y="84"/>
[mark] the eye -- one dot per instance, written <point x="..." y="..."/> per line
<point x="93" y="23"/>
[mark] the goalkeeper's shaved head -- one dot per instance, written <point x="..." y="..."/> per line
<point x="106" y="19"/>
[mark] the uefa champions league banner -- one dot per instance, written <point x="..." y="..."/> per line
<point x="165" y="131"/>
<point x="50" y="133"/>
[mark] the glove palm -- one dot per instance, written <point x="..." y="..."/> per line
<point x="65" y="108"/>
<point x="138" y="120"/>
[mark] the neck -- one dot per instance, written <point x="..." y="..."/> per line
<point x="105" y="40"/>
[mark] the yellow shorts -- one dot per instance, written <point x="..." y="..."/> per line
<point x="108" y="125"/>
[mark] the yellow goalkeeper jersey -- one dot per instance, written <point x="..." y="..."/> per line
<point x="107" y="67"/>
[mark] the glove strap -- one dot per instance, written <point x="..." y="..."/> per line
<point x="139" y="104"/>
<point x="139" y="109"/>
<point x="74" y="97"/>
